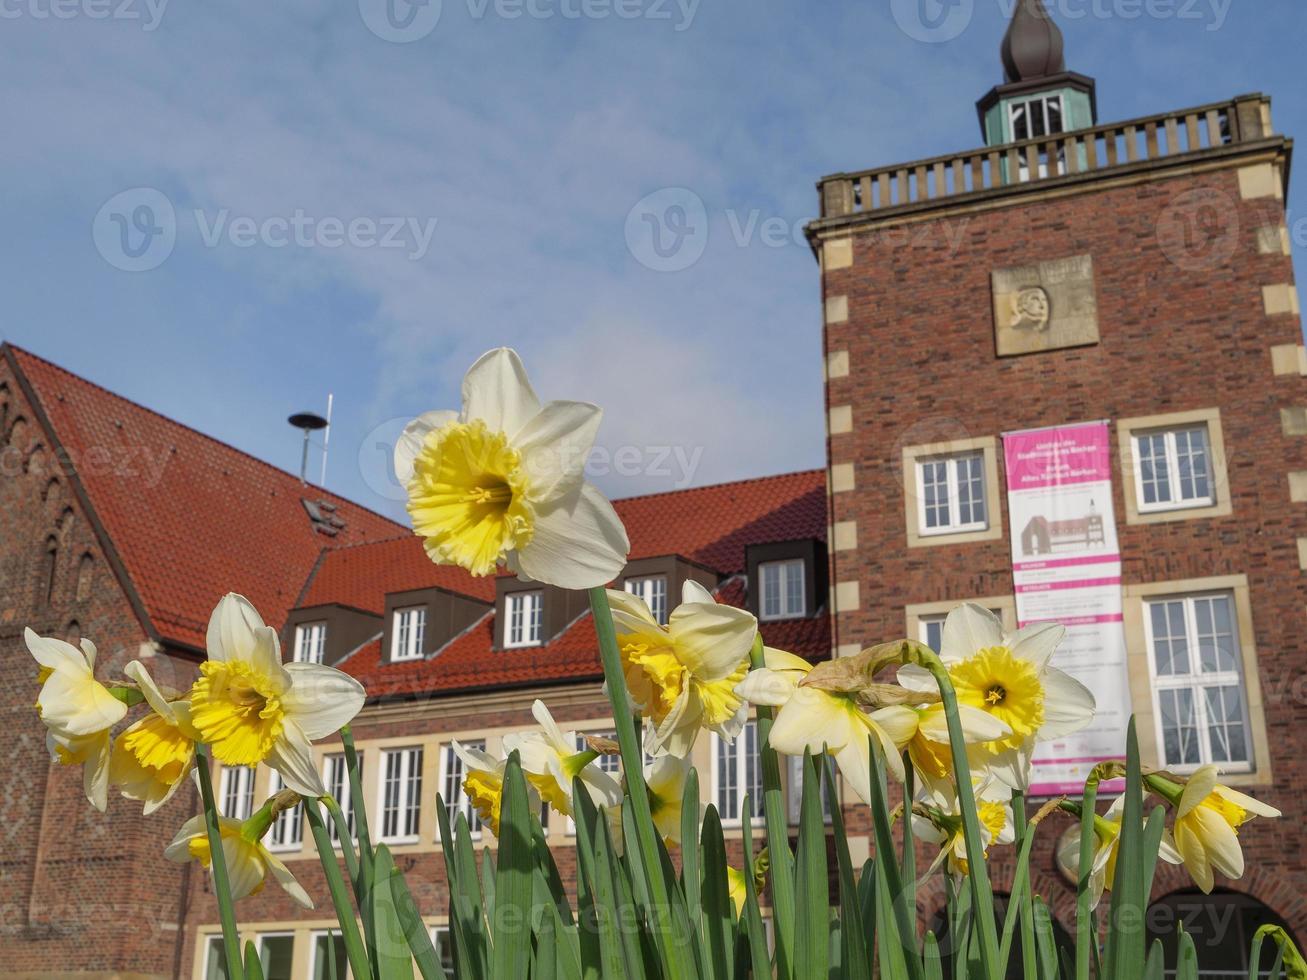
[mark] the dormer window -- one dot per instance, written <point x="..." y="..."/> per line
<point x="782" y="589"/>
<point x="410" y="626"/>
<point x="523" y="626"/>
<point x="653" y="590"/>
<point x="310" y="643"/>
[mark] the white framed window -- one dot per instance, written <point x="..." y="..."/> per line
<point x="236" y="792"/>
<point x="335" y="774"/>
<point x="310" y="643"/>
<point x="401" y="794"/>
<point x="795" y="790"/>
<point x="523" y="611"/>
<point x="1198" y="687"/>
<point x="952" y="494"/>
<point x="328" y="946"/>
<point x="1033" y="118"/>
<point x="215" y="960"/>
<point x="782" y="589"/>
<point x="930" y="631"/>
<point x="407" y="633"/>
<point x="451" y="786"/>
<point x="737" y="772"/>
<point x="1173" y="469"/>
<point x="653" y="590"/>
<point x="287" y="830"/>
<point x="443" y="940"/>
<point x="276" y="954"/>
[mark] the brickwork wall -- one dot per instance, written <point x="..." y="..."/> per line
<point x="1185" y="323"/>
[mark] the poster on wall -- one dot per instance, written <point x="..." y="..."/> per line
<point x="1066" y="568"/>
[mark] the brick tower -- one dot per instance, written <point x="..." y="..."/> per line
<point x="1131" y="279"/>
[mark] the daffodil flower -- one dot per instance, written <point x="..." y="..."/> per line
<point x="248" y="862"/>
<point x="91" y="752"/>
<point x="1107" y="840"/>
<point x="664" y="778"/>
<point x="72" y="703"/>
<point x="941" y="823"/>
<point x="818" y="719"/>
<point x="1008" y="676"/>
<point x="550" y="761"/>
<point x="502" y="482"/>
<point x="684" y="675"/>
<point x="483" y="783"/>
<point x="251" y="708"/>
<point x="155" y="754"/>
<point x="1207" y="821"/>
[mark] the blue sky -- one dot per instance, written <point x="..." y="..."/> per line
<point x="362" y="215"/>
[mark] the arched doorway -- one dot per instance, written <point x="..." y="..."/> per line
<point x="939" y="925"/>
<point x="1221" y="925"/>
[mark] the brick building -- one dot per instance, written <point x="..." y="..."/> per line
<point x="127" y="527"/>
<point x="1066" y="272"/>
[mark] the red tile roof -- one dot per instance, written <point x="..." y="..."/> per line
<point x="218" y="520"/>
<point x="362" y="576"/>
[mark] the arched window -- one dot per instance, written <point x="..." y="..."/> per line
<point x="50" y="567"/>
<point x="17" y="436"/>
<point x="939" y="925"/>
<point x="85" y="576"/>
<point x="1221" y="925"/>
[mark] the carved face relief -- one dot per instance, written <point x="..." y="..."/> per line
<point x="1045" y="306"/>
<point x="1029" y="309"/>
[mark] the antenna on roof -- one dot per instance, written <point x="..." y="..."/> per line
<point x="326" y="438"/>
<point x="308" y="423"/>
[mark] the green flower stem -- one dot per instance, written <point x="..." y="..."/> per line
<point x="982" y="896"/>
<point x="346" y="844"/>
<point x="231" y="940"/>
<point x="349" y="930"/>
<point x="1029" y="964"/>
<point x="363" y="875"/>
<point x="1085" y="933"/>
<point x="673" y="947"/>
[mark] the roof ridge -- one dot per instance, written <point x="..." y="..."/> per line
<point x="203" y="435"/>
<point x="725" y="483"/>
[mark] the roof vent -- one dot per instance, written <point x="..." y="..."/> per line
<point x="323" y="517"/>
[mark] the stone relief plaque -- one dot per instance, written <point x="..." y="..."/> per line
<point x="1045" y="306"/>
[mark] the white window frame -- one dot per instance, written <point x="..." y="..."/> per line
<point x="523" y="619"/>
<point x="213" y="946"/>
<point x="787" y="569"/>
<point x="1173" y="481"/>
<point x="1196" y="681"/>
<point x="1042" y="102"/>
<point x="407" y="633"/>
<point x="344" y="795"/>
<point x="739" y="749"/>
<point x="310" y="642"/>
<point x="451" y="764"/>
<point x="236" y="784"/>
<point x="653" y="590"/>
<point x="794" y="789"/>
<point x="436" y="932"/>
<point x="953" y="494"/>
<point x="407" y="783"/>
<point x="924" y="623"/>
<point x="278" y="934"/>
<point x="287" y="830"/>
<point x="313" y="953"/>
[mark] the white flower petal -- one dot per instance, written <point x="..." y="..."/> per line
<point x="560" y="742"/>
<point x="692" y="591"/>
<point x="1194" y="855"/>
<point x="914" y="677"/>
<point x="780" y="660"/>
<point x="1036" y="642"/>
<point x="967" y="629"/>
<point x="764" y="686"/>
<point x="74" y="703"/>
<point x="413" y="437"/>
<point x="245" y="868"/>
<point x="815" y="721"/>
<point x="179" y="849"/>
<point x="555" y="445"/>
<point x="153" y="696"/>
<point x="977" y="725"/>
<point x="578" y="543"/>
<point x="712" y="641"/>
<point x="496" y="390"/>
<point x="854" y="761"/>
<point x="475" y="758"/>
<point x="1246" y="802"/>
<point x="95" y="775"/>
<point x="287" y="880"/>
<point x="1068" y="705"/>
<point x="1198" y="788"/>
<point x="321" y="699"/>
<point x="231" y="628"/>
<point x="680" y="727"/>
<point x="631" y="613"/>
<point x="897" y="723"/>
<point x="292" y="757"/>
<point x="52" y="653"/>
